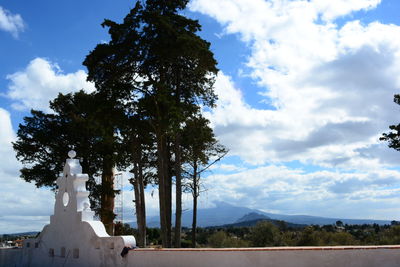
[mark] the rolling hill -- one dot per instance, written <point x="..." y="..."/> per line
<point x="224" y="213"/>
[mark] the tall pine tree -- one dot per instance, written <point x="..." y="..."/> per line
<point x="156" y="59"/>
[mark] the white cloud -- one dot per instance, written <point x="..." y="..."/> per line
<point x="331" y="90"/>
<point x="12" y="23"/>
<point x="40" y="82"/>
<point x="331" y="87"/>
<point x="294" y="191"/>
<point x="333" y="9"/>
<point x="8" y="163"/>
<point x="227" y="168"/>
<point x="6" y="134"/>
<point x="23" y="206"/>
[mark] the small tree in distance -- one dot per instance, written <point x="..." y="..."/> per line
<point x="393" y="137"/>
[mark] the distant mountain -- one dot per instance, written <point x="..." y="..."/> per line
<point x="243" y="223"/>
<point x="252" y="216"/>
<point x="21" y="234"/>
<point x="224" y="213"/>
<point x="306" y="219"/>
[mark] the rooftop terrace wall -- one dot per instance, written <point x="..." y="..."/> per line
<point x="349" y="256"/>
<point x="281" y="256"/>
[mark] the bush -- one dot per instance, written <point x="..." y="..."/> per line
<point x="265" y="234"/>
<point x="221" y="239"/>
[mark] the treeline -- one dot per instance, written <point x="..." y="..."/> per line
<point x="153" y="78"/>
<point x="266" y="234"/>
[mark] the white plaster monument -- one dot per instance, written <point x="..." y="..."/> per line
<point x="73" y="237"/>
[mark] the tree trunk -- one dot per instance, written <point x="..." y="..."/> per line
<point x="138" y="185"/>
<point x="138" y="204"/>
<point x="161" y="186"/>
<point x="195" y="195"/>
<point x="142" y="227"/>
<point x="178" y="214"/>
<point x="168" y="198"/>
<point x="107" y="195"/>
<point x="140" y="211"/>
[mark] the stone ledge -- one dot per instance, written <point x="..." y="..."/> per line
<point x="270" y="248"/>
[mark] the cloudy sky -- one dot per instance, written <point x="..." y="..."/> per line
<point x="305" y="90"/>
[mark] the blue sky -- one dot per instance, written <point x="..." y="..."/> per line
<point x="305" y="90"/>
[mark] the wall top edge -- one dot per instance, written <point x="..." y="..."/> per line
<point x="268" y="248"/>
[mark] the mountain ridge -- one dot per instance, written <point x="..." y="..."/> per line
<point x="225" y="213"/>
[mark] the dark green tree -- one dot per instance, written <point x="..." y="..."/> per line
<point x="310" y="237"/>
<point x="201" y="150"/>
<point x="339" y="223"/>
<point x="393" y="137"/>
<point x="140" y="153"/>
<point x="156" y="60"/>
<point x="265" y="234"/>
<point x="85" y="123"/>
<point x="221" y="239"/>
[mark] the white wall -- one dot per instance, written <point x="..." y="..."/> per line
<point x="10" y="257"/>
<point x="73" y="237"/>
<point x="285" y="257"/>
<point x="387" y="256"/>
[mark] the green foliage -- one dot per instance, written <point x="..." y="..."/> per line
<point x="393" y="137"/>
<point x="217" y="239"/>
<point x="157" y="54"/>
<point x="186" y="243"/>
<point x="199" y="141"/>
<point x="221" y="239"/>
<point x="42" y="147"/>
<point x="391" y="236"/>
<point x="83" y="122"/>
<point x="153" y="236"/>
<point x="124" y="229"/>
<point x="309" y="237"/>
<point x="265" y="234"/>
<point x="341" y="239"/>
<point x="339" y="223"/>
